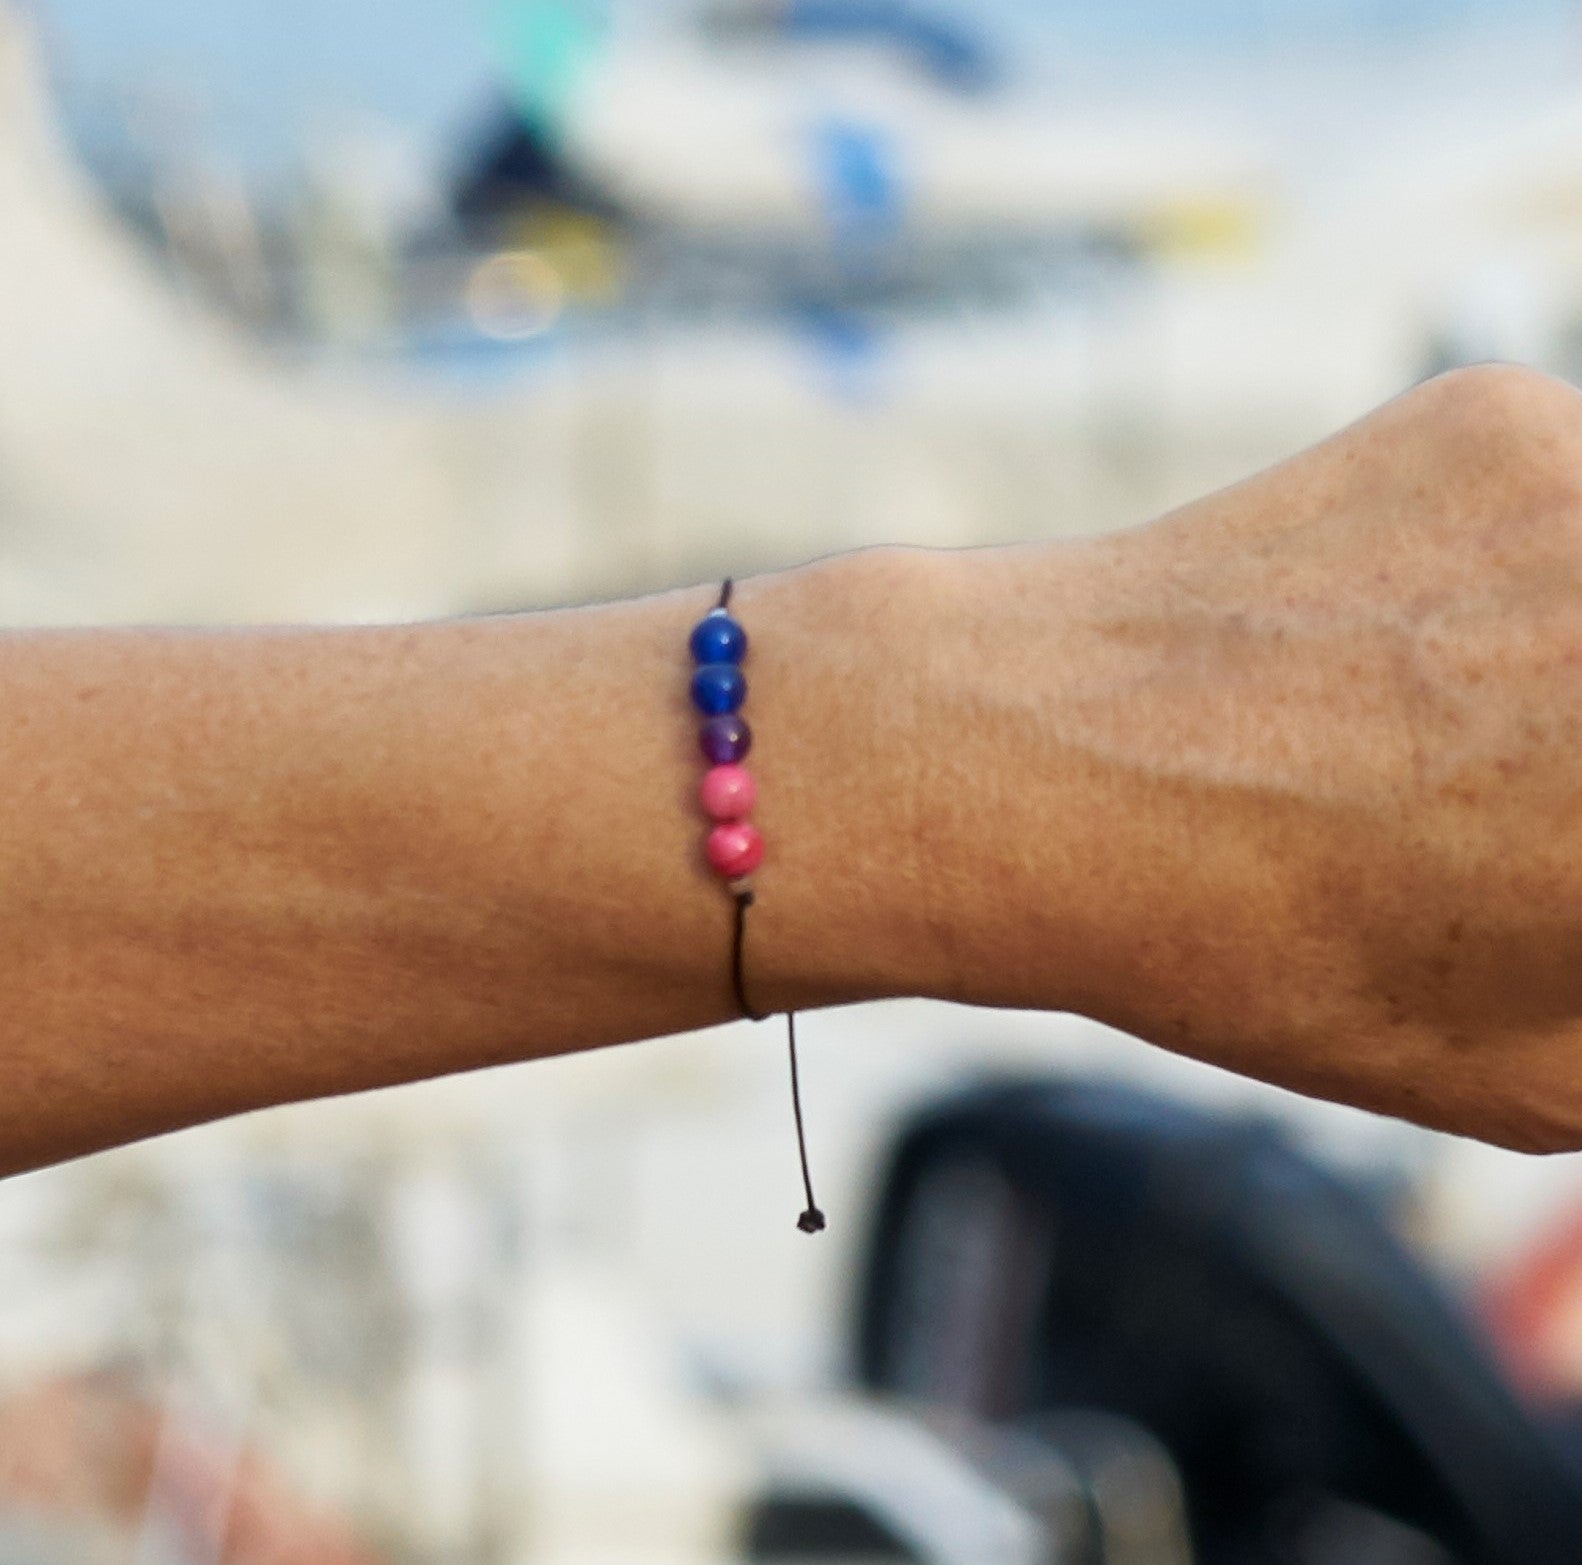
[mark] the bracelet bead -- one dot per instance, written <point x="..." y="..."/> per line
<point x="717" y="638"/>
<point x="727" y="792"/>
<point x="734" y="849"/>
<point x="718" y="688"/>
<point x="725" y="739"/>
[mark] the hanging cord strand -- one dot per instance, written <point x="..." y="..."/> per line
<point x="812" y="1218"/>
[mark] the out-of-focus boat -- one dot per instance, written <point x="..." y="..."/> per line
<point x="786" y="135"/>
<point x="157" y="462"/>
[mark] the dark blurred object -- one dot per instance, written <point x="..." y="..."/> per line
<point x="515" y="167"/>
<point x="1039" y="1247"/>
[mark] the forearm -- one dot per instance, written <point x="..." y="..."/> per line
<point x="242" y="867"/>
<point x="1285" y="781"/>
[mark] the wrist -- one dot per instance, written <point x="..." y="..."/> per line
<point x="1025" y="838"/>
<point x="840" y="705"/>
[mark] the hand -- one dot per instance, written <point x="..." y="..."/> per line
<point x="1291" y="780"/>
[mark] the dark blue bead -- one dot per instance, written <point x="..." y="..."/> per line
<point x="725" y="739"/>
<point x="718" y="688"/>
<point x="717" y="638"/>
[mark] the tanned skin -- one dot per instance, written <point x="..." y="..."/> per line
<point x="1290" y="780"/>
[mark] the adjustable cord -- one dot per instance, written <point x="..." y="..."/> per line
<point x="812" y="1219"/>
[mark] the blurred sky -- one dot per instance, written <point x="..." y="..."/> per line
<point x="250" y="79"/>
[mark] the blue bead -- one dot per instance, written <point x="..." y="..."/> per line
<point x="717" y="638"/>
<point x="718" y="688"/>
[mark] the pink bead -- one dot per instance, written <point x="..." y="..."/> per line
<point x="727" y="792"/>
<point x="734" y="848"/>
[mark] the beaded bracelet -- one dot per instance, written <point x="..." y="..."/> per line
<point x="734" y="847"/>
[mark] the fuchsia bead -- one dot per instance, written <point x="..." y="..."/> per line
<point x="734" y="849"/>
<point x="727" y="792"/>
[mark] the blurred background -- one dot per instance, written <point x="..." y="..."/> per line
<point x="410" y="308"/>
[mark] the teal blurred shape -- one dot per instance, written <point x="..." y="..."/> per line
<point x="545" y="48"/>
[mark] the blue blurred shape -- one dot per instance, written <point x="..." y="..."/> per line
<point x="949" y="49"/>
<point x="859" y="178"/>
<point x="848" y="348"/>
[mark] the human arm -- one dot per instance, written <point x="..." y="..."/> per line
<point x="1282" y="780"/>
<point x="241" y="867"/>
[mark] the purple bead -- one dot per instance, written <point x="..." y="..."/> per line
<point x="726" y="739"/>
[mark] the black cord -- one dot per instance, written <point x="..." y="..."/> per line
<point x="812" y="1219"/>
<point x="743" y="898"/>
